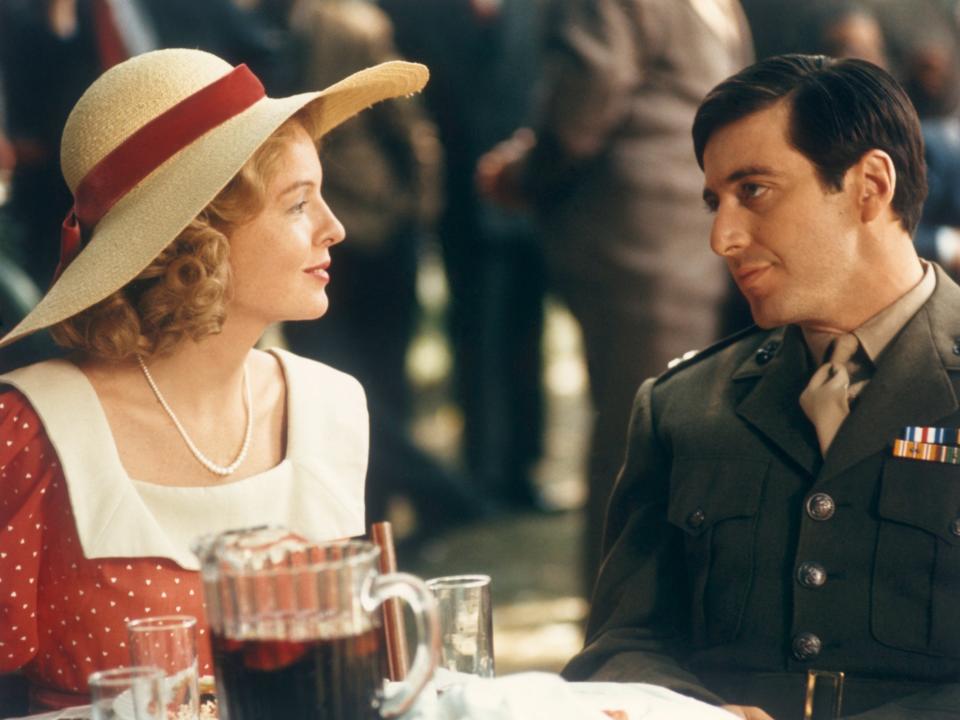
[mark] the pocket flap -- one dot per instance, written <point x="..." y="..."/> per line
<point x="704" y="491"/>
<point x="922" y="494"/>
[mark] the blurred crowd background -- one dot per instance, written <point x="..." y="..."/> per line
<point x="525" y="242"/>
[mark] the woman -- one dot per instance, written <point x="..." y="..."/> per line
<point x="198" y="221"/>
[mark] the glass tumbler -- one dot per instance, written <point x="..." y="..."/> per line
<point x="169" y="642"/>
<point x="466" y="623"/>
<point x="127" y="693"/>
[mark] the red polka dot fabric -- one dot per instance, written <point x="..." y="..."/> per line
<point x="63" y="616"/>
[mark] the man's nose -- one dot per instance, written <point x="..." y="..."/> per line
<point x="728" y="235"/>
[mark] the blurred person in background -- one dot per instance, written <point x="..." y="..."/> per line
<point x="50" y="50"/>
<point x="848" y="29"/>
<point x="484" y="58"/>
<point x="778" y="26"/>
<point x="384" y="183"/>
<point x="18" y="292"/>
<point x="7" y="157"/>
<point x="607" y="166"/>
<point x="931" y="73"/>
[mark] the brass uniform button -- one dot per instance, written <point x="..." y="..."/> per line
<point x="811" y="574"/>
<point x="821" y="506"/>
<point x="806" y="646"/>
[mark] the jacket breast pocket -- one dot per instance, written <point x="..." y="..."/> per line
<point x="714" y="501"/>
<point x="916" y="580"/>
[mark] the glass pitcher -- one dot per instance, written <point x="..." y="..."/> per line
<point x="296" y="627"/>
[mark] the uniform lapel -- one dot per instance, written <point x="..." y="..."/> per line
<point x="911" y="385"/>
<point x="772" y="406"/>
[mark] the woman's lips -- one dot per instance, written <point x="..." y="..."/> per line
<point x="319" y="272"/>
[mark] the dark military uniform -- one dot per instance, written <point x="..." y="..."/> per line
<point x="737" y="558"/>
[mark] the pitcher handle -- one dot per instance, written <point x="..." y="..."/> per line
<point x="417" y="595"/>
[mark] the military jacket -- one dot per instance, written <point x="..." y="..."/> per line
<point x="737" y="558"/>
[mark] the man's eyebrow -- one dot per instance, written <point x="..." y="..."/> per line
<point x="739" y="174"/>
<point x="748" y="171"/>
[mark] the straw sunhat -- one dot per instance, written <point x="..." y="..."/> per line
<point x="153" y="141"/>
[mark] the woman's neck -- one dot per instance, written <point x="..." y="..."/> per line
<point x="201" y="379"/>
<point x="202" y="384"/>
<point x="206" y="376"/>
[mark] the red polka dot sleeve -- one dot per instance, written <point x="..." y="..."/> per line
<point x="25" y="474"/>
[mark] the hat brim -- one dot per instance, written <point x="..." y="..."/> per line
<point x="156" y="210"/>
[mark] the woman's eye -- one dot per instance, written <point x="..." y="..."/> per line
<point x="299" y="207"/>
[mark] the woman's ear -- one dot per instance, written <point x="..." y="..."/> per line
<point x="875" y="180"/>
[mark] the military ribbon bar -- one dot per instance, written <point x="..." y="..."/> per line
<point x="941" y="436"/>
<point x="926" y="451"/>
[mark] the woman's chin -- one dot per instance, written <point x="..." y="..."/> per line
<point x="316" y="311"/>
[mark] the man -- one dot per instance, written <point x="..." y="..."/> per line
<point x="767" y="531"/>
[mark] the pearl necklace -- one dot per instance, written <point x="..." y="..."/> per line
<point x="222" y="470"/>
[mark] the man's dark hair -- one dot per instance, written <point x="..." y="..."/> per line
<point x="839" y="110"/>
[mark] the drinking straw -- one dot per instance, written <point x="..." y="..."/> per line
<point x="393" y="628"/>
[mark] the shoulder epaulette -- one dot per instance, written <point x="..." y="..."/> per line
<point x="693" y="357"/>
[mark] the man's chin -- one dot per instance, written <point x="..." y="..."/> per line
<point x="765" y="317"/>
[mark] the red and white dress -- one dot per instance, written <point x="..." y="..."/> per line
<point x="84" y="547"/>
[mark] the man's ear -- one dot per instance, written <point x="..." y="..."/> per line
<point x="875" y="181"/>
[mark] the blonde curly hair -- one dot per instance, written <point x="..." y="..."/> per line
<point x="183" y="294"/>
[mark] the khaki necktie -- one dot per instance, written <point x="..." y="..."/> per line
<point x="826" y="399"/>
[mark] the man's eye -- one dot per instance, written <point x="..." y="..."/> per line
<point x="749" y="191"/>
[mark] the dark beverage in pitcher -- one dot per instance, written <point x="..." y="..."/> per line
<point x="324" y="679"/>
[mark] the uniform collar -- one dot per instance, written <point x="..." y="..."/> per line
<point x="913" y="385"/>
<point x="877" y="332"/>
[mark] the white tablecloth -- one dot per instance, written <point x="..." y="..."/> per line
<point x="528" y="696"/>
<point x="543" y="696"/>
